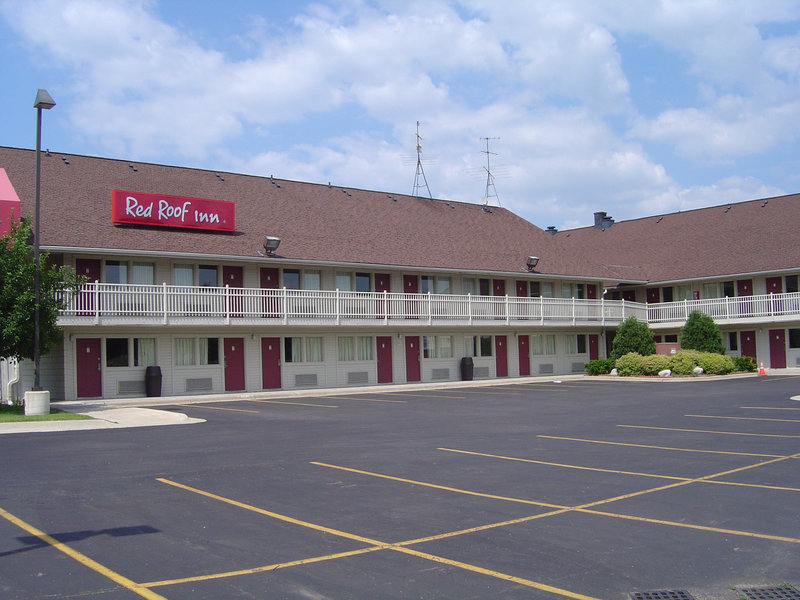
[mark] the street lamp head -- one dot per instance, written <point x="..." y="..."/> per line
<point x="44" y="100"/>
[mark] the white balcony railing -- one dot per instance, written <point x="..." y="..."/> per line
<point x="105" y="303"/>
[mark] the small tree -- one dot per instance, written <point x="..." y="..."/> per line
<point x="17" y="299"/>
<point x="701" y="333"/>
<point x="632" y="336"/>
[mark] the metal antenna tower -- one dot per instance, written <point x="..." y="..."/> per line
<point x="489" y="176"/>
<point x="423" y="183"/>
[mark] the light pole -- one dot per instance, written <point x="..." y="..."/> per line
<point x="37" y="401"/>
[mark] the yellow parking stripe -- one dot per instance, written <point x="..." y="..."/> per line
<point x="276" y="566"/>
<point x="771" y="407"/>
<point x="709" y="431"/>
<point x="95" y="566"/>
<point x="374" y="545"/>
<point x="744" y="418"/>
<point x="360" y="399"/>
<point x="294" y="403"/>
<point x="438" y="487"/>
<point x="223" y="408"/>
<point x="571" y="439"/>
<point x="566" y="466"/>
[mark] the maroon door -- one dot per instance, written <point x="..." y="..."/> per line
<point x="594" y="343"/>
<point x="234" y="364"/>
<point x="777" y="348"/>
<point x="501" y="356"/>
<point x="775" y="286"/>
<point x="269" y="281"/>
<point x="629" y="295"/>
<point x="591" y="291"/>
<point x="744" y="287"/>
<point x="522" y="292"/>
<point x="233" y="277"/>
<point x="411" y="286"/>
<point x="653" y="295"/>
<point x="412" y="358"/>
<point x="748" y="343"/>
<point x="524" y="358"/>
<point x="522" y="289"/>
<point x="499" y="289"/>
<point x="270" y="363"/>
<point x="88" y="363"/>
<point x="381" y="285"/>
<point x="89" y="268"/>
<point x="384" y="353"/>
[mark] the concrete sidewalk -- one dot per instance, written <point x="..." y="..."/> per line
<point x="134" y="412"/>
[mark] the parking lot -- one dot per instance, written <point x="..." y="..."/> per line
<point x="573" y="489"/>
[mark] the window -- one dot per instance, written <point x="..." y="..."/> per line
<point x="666" y="294"/>
<point x="536" y="291"/>
<point x="684" y="292"/>
<point x="426" y="284"/>
<point x="364" y="348"/>
<point x="116" y="352"/>
<point x="291" y="279"/>
<point x="185" y="351"/>
<point x="733" y="341"/>
<point x="183" y="275"/>
<point x="478" y="345"/>
<point x="116" y="271"/>
<point x="443" y="285"/>
<point x="671" y="338"/>
<point x="543" y="344"/>
<point x="791" y="284"/>
<point x="710" y="290"/>
<point x="355" y="348"/>
<point x="362" y="282"/>
<point x="571" y="290"/>
<point x="293" y="349"/>
<point x="144" y="352"/>
<point x="794" y="338"/>
<point x="312" y="280"/>
<point x="343" y="282"/>
<point x="546" y="288"/>
<point x="581" y="343"/>
<point x="437" y="346"/>
<point x="143" y="273"/>
<point x="468" y="286"/>
<point x="727" y="289"/>
<point x="207" y="276"/>
<point x="346" y="348"/>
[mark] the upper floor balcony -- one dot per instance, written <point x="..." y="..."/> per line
<point x="127" y="304"/>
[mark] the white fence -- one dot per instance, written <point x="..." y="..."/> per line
<point x="164" y="304"/>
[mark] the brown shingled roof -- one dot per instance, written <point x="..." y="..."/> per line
<point x="749" y="237"/>
<point x="315" y="222"/>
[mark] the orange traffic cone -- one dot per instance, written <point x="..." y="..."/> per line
<point x="761" y="370"/>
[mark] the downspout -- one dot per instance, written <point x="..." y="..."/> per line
<point x="11" y="382"/>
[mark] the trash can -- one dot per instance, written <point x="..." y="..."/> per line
<point x="467" y="368"/>
<point x="152" y="382"/>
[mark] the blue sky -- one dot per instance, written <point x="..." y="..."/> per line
<point x="634" y="108"/>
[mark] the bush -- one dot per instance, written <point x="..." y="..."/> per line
<point x="629" y="364"/>
<point x="715" y="364"/>
<point x="746" y="364"/>
<point x="654" y="364"/>
<point x="683" y="361"/>
<point x="601" y="366"/>
<point x="632" y="336"/>
<point x="701" y="333"/>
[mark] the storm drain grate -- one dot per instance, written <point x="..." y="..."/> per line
<point x="771" y="593"/>
<point x="662" y="595"/>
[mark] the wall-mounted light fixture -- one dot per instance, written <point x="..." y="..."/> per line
<point x="532" y="262"/>
<point x="270" y="245"/>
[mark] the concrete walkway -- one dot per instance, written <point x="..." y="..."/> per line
<point x="137" y="412"/>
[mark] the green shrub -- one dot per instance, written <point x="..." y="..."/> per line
<point x="629" y="364"/>
<point x="601" y="366"/>
<point x="632" y="336"/>
<point x="715" y="364"/>
<point x="683" y="361"/>
<point x="654" y="364"/>
<point x="746" y="364"/>
<point x="701" y="333"/>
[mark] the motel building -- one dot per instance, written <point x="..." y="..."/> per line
<point x="232" y="283"/>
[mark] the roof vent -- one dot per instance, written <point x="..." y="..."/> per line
<point x="64" y="158"/>
<point x="551" y="229"/>
<point x="132" y="167"/>
<point x="602" y="221"/>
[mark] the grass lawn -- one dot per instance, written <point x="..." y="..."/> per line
<point x="16" y="413"/>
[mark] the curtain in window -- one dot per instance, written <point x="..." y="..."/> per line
<point x="445" y="346"/>
<point x="364" y="348"/>
<point x="145" y="349"/>
<point x="428" y="346"/>
<point x="183" y="275"/>
<point x="469" y="345"/>
<point x="142" y="273"/>
<point x="297" y="350"/>
<point x="184" y="351"/>
<point x="570" y="345"/>
<point x="536" y="344"/>
<point x="550" y="344"/>
<point x="314" y="349"/>
<point x="346" y="350"/>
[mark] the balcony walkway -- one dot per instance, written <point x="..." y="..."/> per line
<point x="107" y="304"/>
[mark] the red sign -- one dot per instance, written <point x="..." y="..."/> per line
<point x="140" y="208"/>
